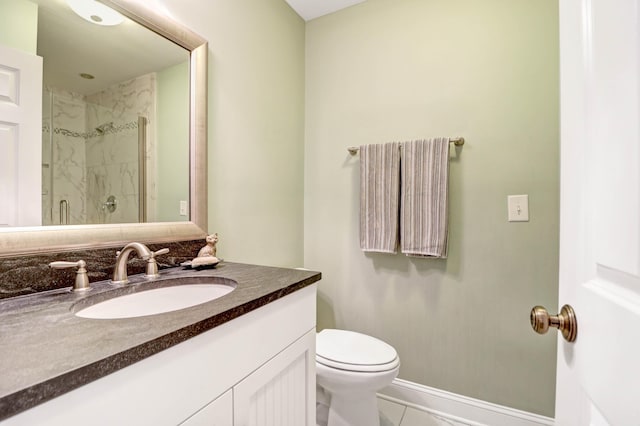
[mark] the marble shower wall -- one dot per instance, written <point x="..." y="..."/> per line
<point x="112" y="158"/>
<point x="63" y="155"/>
<point x="88" y="166"/>
<point x="112" y="167"/>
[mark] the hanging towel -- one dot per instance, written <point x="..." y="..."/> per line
<point x="425" y="193"/>
<point x="379" y="197"/>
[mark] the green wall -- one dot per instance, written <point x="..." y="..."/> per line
<point x="256" y="126"/>
<point x="393" y="70"/>
<point x="172" y="149"/>
<point x="19" y="24"/>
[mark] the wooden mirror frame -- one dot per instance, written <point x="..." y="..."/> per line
<point x="30" y="240"/>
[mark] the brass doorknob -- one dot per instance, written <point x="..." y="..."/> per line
<point x="565" y="321"/>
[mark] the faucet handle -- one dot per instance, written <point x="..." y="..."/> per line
<point x="152" y="265"/>
<point x="82" y="279"/>
<point x="159" y="252"/>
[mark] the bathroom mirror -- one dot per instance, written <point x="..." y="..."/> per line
<point x="24" y="240"/>
<point x="115" y="112"/>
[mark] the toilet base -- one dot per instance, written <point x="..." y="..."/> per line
<point x="322" y="415"/>
<point x="353" y="410"/>
<point x="351" y="380"/>
<point x="353" y="400"/>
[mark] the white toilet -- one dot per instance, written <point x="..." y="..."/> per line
<point x="350" y="368"/>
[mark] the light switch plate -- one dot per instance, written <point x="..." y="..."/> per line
<point x="518" y="208"/>
<point x="183" y="208"/>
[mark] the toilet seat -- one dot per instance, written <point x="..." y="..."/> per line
<point x="358" y="368"/>
<point x="351" y="351"/>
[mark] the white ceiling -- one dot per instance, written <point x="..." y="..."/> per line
<point x="70" y="46"/>
<point x="310" y="9"/>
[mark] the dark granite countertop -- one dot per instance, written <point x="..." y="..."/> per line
<point x="45" y="350"/>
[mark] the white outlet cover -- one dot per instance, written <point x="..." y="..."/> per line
<point x="518" y="206"/>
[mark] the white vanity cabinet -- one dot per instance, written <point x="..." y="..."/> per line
<point x="278" y="393"/>
<point x="216" y="413"/>
<point x="257" y="369"/>
<point x="275" y="394"/>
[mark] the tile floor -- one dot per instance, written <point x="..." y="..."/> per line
<point x="395" y="414"/>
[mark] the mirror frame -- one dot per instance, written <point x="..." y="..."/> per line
<point x="31" y="240"/>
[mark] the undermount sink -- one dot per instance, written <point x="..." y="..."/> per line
<point x="156" y="301"/>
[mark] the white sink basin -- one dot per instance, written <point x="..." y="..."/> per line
<point x="156" y="301"/>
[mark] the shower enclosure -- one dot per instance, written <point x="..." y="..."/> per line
<point x="93" y="167"/>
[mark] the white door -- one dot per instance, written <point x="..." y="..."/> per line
<point x="598" y="376"/>
<point x="20" y="138"/>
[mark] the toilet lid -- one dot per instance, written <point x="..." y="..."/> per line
<point x="353" y="351"/>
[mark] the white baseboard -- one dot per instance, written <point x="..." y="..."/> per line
<point x="457" y="408"/>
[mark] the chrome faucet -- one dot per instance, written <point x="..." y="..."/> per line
<point x="152" y="265"/>
<point x="120" y="270"/>
<point x="82" y="279"/>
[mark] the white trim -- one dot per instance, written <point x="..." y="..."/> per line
<point x="459" y="408"/>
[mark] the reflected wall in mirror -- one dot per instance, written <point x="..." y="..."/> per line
<point x="116" y="129"/>
<point x="115" y="123"/>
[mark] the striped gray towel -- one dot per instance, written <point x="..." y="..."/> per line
<point x="379" y="197"/>
<point x="425" y="193"/>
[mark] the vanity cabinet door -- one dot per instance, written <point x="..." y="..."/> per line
<point x="282" y="391"/>
<point x="218" y="412"/>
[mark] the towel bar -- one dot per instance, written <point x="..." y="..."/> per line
<point x="353" y="150"/>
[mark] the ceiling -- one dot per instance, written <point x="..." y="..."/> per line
<point x="310" y="9"/>
<point x="70" y="46"/>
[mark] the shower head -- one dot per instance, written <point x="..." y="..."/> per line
<point x="101" y="129"/>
